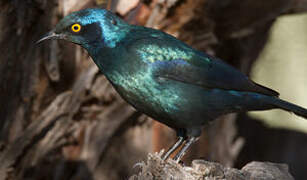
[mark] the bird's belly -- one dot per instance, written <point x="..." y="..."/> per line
<point x="152" y="99"/>
<point x="170" y="102"/>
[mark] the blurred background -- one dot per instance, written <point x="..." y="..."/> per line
<point x="61" y="119"/>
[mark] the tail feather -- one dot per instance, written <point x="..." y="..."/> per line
<point x="282" y="104"/>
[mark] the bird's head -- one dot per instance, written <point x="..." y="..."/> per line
<point x="90" y="28"/>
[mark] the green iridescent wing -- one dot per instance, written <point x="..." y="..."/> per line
<point x="170" y="58"/>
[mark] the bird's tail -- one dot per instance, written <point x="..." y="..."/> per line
<point x="282" y="104"/>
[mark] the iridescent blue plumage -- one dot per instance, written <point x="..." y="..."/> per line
<point x="165" y="78"/>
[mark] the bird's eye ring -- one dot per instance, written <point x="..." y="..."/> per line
<point x="76" y="27"/>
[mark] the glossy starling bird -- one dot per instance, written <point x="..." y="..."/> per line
<point x="163" y="77"/>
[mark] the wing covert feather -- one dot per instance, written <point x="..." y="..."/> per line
<point x="170" y="58"/>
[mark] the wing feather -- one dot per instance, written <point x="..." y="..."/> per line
<point x="171" y="58"/>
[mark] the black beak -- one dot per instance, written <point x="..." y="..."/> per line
<point x="50" y="35"/>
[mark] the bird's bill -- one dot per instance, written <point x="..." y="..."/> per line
<point x="50" y="35"/>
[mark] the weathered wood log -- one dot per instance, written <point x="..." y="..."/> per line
<point x="157" y="169"/>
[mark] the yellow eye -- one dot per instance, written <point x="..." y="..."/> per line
<point x="76" y="27"/>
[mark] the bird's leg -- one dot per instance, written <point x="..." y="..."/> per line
<point x="173" y="147"/>
<point x="184" y="149"/>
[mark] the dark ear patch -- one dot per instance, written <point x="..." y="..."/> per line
<point x="91" y="32"/>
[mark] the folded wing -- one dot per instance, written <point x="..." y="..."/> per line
<point x="170" y="58"/>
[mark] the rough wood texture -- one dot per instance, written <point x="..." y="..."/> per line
<point x="157" y="169"/>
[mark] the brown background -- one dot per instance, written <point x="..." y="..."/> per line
<point x="61" y="119"/>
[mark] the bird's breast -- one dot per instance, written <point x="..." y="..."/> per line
<point x="146" y="93"/>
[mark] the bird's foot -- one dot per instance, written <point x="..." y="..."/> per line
<point x="184" y="149"/>
<point x="173" y="148"/>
